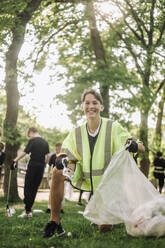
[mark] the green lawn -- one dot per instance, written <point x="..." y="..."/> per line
<point x="27" y="233"/>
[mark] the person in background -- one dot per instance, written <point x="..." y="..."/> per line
<point x="2" y="157"/>
<point x="38" y="149"/>
<point x="52" y="163"/>
<point x="159" y="167"/>
<point x="91" y="146"/>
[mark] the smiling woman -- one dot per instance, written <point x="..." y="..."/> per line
<point x="92" y="106"/>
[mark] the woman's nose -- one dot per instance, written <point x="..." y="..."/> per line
<point x="91" y="105"/>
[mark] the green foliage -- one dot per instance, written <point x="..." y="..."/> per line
<point x="18" y="136"/>
<point x="134" y="47"/>
<point x="82" y="71"/>
<point x="9" y="11"/>
<point x="51" y="135"/>
<point x="135" y="63"/>
<point x="41" y="63"/>
<point x="12" y="136"/>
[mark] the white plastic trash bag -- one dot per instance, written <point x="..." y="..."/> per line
<point x="125" y="195"/>
<point x="148" y="219"/>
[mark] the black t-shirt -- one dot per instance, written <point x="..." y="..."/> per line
<point x="38" y="148"/>
<point x="2" y="158"/>
<point x="52" y="160"/>
<point x="92" y="140"/>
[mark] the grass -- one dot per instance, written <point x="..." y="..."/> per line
<point x="27" y="233"/>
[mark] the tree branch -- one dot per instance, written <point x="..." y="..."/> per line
<point x="141" y="38"/>
<point x="50" y="37"/>
<point x="150" y="34"/>
<point x="136" y="18"/>
<point x="162" y="83"/>
<point x="162" y="29"/>
<point x="31" y="7"/>
<point x="126" y="45"/>
<point x="160" y="54"/>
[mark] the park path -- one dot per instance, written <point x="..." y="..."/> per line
<point x="70" y="194"/>
<point x="43" y="195"/>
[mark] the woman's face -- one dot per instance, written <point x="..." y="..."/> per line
<point x="92" y="107"/>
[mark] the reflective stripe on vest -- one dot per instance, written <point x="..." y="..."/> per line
<point x="79" y="183"/>
<point x="79" y="141"/>
<point x="107" y="156"/>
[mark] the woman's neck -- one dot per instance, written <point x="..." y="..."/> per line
<point x="93" y="125"/>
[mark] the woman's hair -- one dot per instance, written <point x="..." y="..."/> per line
<point x="92" y="92"/>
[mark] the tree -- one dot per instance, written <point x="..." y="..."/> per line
<point x="90" y="62"/>
<point x="16" y="17"/>
<point x="140" y="32"/>
<point x="61" y="34"/>
<point x="99" y="52"/>
<point x="20" y="16"/>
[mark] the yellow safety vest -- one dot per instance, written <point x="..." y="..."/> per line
<point x="89" y="170"/>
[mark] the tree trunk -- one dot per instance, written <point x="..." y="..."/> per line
<point x="144" y="162"/>
<point x="146" y="105"/>
<point x="10" y="129"/>
<point x="158" y="132"/>
<point x="10" y="124"/>
<point x="99" y="53"/>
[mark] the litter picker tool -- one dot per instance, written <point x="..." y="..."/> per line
<point x="62" y="164"/>
<point x="10" y="211"/>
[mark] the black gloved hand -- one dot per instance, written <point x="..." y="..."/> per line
<point x="61" y="161"/>
<point x="133" y="146"/>
<point x="13" y="166"/>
